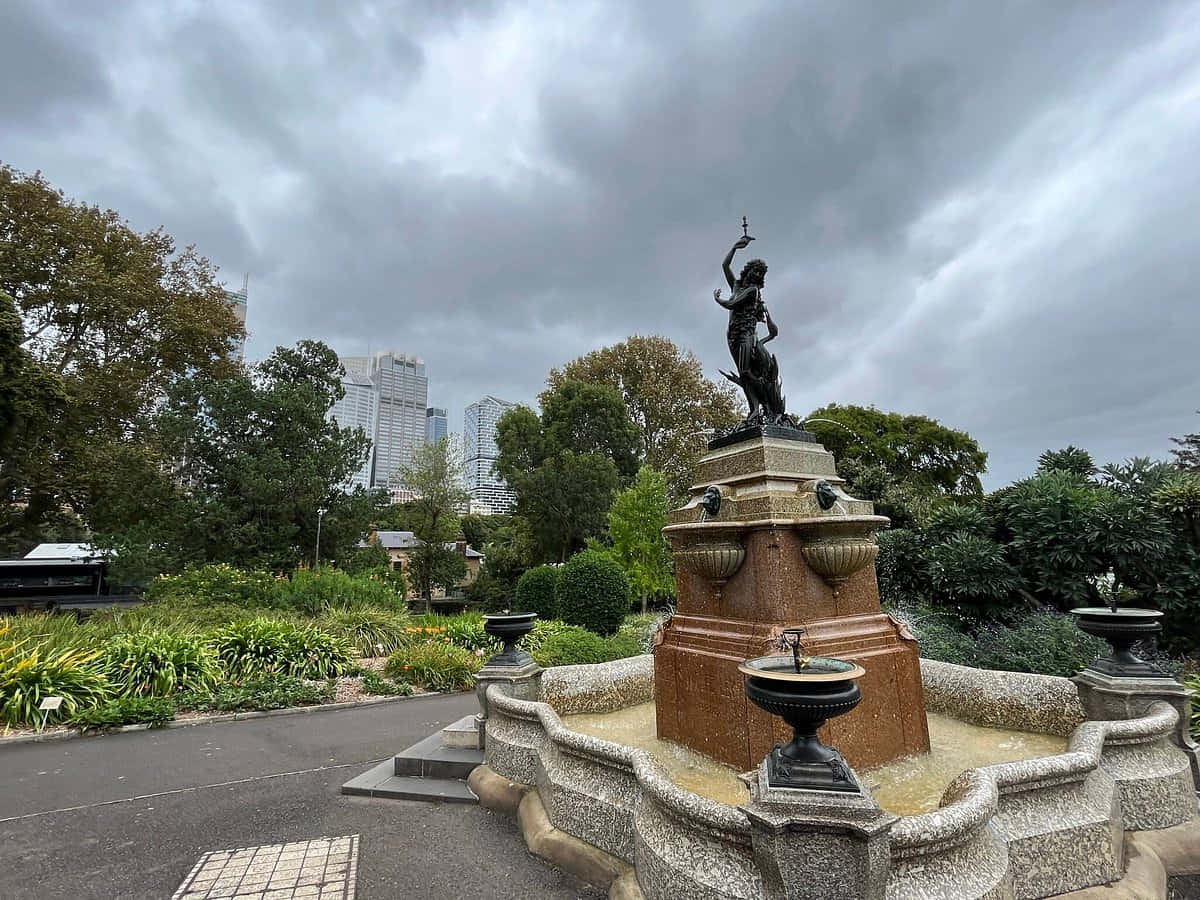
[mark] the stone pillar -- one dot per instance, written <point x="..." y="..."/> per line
<point x="771" y="557"/>
<point x="1106" y="697"/>
<point x="523" y="682"/>
<point x="826" y="844"/>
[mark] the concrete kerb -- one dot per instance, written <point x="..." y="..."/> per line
<point x="73" y="733"/>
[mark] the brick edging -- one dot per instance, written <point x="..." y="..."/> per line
<point x="73" y="733"/>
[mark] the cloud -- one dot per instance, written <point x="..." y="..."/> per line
<point x="977" y="212"/>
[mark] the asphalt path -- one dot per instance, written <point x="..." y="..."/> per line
<point x="128" y="815"/>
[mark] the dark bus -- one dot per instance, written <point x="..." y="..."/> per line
<point x="46" y="585"/>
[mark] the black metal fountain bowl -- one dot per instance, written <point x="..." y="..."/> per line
<point x="1121" y="628"/>
<point x="509" y="628"/>
<point x="823" y="688"/>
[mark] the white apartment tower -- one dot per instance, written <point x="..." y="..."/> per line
<point x="489" y="493"/>
<point x="359" y="408"/>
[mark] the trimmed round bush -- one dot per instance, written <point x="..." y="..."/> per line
<point x="593" y="591"/>
<point x="158" y="663"/>
<point x="573" y="648"/>
<point x="536" y="592"/>
<point x="435" y="666"/>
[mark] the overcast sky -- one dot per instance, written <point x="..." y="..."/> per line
<point x="983" y="212"/>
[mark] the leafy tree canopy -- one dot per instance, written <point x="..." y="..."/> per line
<point x="255" y="459"/>
<point x="635" y="523"/>
<point x="913" y="449"/>
<point x="667" y="395"/>
<point x="1069" y="459"/>
<point x="109" y="319"/>
<point x="1188" y="456"/>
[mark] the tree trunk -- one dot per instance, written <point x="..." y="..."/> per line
<point x="643" y="603"/>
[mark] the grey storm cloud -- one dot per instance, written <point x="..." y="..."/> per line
<point x="979" y="212"/>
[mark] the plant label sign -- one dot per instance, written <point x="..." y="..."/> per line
<point x="49" y="704"/>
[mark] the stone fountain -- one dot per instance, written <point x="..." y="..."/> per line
<point x="770" y="550"/>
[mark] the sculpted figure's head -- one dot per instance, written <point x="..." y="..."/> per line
<point x="753" y="272"/>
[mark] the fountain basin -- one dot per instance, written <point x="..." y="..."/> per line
<point x="1028" y="828"/>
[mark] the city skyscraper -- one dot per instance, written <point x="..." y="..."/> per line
<point x="237" y="301"/>
<point x="489" y="493"/>
<point x="359" y="408"/>
<point x="403" y="391"/>
<point x="435" y="424"/>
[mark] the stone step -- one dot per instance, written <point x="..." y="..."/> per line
<point x="430" y="758"/>
<point x="381" y="782"/>
<point x="462" y="735"/>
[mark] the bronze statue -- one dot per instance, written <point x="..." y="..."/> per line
<point x="757" y="369"/>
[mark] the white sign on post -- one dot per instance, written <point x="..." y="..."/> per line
<point x="47" y="706"/>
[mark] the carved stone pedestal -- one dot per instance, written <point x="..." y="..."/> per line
<point x="771" y="558"/>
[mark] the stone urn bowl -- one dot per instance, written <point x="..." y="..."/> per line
<point x="715" y="560"/>
<point x="805" y="691"/>
<point x="835" y="547"/>
<point x="509" y="628"/>
<point x="1121" y="627"/>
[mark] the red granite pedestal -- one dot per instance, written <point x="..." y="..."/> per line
<point x="699" y="692"/>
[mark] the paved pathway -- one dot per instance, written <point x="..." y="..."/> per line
<point x="133" y="815"/>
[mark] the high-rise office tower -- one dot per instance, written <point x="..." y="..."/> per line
<point x="403" y="390"/>
<point x="237" y="301"/>
<point x="489" y="493"/>
<point x="359" y="365"/>
<point x="359" y="408"/>
<point x="435" y="424"/>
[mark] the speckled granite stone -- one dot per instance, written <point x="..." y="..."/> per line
<point x="1061" y="819"/>
<point x="1015" y="830"/>
<point x="599" y="688"/>
<point x="1105" y="697"/>
<point x="955" y="852"/>
<point x="1015" y="700"/>
<point x="825" y="844"/>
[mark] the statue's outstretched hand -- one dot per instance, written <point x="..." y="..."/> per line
<point x="717" y="295"/>
<point x="743" y="243"/>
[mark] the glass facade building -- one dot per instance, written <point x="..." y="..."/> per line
<point x="359" y="408"/>
<point x="435" y="424"/>
<point x="489" y="493"/>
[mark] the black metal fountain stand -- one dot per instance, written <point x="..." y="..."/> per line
<point x="805" y="692"/>
<point x="509" y="628"/>
<point x="1122" y="628"/>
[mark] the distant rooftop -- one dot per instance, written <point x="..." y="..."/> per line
<point x="66" y="551"/>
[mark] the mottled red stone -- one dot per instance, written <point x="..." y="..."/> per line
<point x="700" y="694"/>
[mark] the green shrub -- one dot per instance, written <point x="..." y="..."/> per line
<point x="153" y="711"/>
<point x="950" y="519"/>
<point x="574" y="648"/>
<point x="259" y="692"/>
<point x="593" y="592"/>
<point x="489" y="593"/>
<point x="643" y="628"/>
<point x="1193" y="684"/>
<point x="900" y="568"/>
<point x="536" y="592"/>
<point x="435" y="666"/>
<point x="158" y="663"/>
<point x="373" y="684"/>
<point x="373" y="631"/>
<point x="217" y="583"/>
<point x="1045" y="643"/>
<point x="969" y="569"/>
<point x="268" y="646"/>
<point x="625" y="643"/>
<point x="311" y="592"/>
<point x="937" y="634"/>
<point x="28" y="675"/>
<point x="48" y="631"/>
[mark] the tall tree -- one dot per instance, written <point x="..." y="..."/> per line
<point x="635" y="523"/>
<point x="1188" y="456"/>
<point x="565" y="465"/>
<point x="436" y="474"/>
<point x="915" y="449"/>
<point x="668" y="398"/>
<point x="114" y="316"/>
<point x="256" y="463"/>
